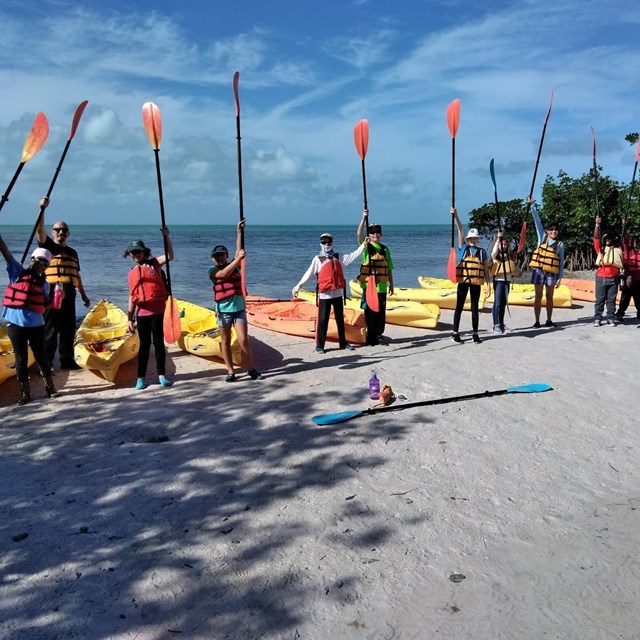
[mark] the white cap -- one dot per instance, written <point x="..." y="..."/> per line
<point x="42" y="253"/>
<point x="473" y="233"/>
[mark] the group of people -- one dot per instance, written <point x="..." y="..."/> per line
<point x="33" y="321"/>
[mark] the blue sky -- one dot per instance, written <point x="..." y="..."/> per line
<point x="309" y="71"/>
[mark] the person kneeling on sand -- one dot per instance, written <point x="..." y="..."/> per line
<point x="609" y="266"/>
<point x="330" y="288"/>
<point x="230" y="305"/>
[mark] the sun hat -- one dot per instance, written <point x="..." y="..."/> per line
<point x="135" y="245"/>
<point x="41" y="254"/>
<point x="473" y="233"/>
<point x="219" y="248"/>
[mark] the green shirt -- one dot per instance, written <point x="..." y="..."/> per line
<point x="381" y="287"/>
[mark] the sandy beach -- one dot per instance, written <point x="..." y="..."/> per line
<point x="211" y="510"/>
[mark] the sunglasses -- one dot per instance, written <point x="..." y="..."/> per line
<point x="60" y="229"/>
<point x="41" y="261"/>
<point x="326" y="241"/>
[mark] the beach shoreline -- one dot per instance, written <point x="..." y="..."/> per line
<point x="213" y="510"/>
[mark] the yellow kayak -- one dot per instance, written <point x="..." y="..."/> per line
<point x="524" y="295"/>
<point x="446" y="291"/>
<point x="407" y="313"/>
<point x="200" y="333"/>
<point x="7" y="357"/>
<point x="103" y="341"/>
<point x="443" y="298"/>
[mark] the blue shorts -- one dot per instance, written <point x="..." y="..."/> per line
<point x="230" y="318"/>
<point x="538" y="276"/>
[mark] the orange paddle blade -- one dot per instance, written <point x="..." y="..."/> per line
<point x="523" y="236"/>
<point x="236" y="79"/>
<point x="361" y="137"/>
<point x="36" y="138"/>
<point x="76" y="118"/>
<point x="371" y="294"/>
<point x="451" y="265"/>
<point x="453" y="116"/>
<point x="638" y="151"/>
<point x="152" y="124"/>
<point x="171" y="322"/>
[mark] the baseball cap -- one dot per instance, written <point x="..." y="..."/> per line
<point x="219" y="248"/>
<point x="135" y="245"/>
<point x="41" y="254"/>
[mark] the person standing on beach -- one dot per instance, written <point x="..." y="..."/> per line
<point x="472" y="271"/>
<point x="147" y="300"/>
<point x="230" y="305"/>
<point x="631" y="280"/>
<point x="376" y="261"/>
<point x="547" y="266"/>
<point x="24" y="303"/>
<point x="60" y="324"/>
<point x="330" y="288"/>
<point x="503" y="269"/>
<point x="609" y="266"/>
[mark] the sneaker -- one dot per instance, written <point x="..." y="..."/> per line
<point x="348" y="347"/>
<point x="141" y="384"/>
<point x="536" y="325"/>
<point x="611" y="322"/>
<point x="320" y="350"/>
<point x="456" y="338"/>
<point x="477" y="339"/>
<point x="505" y="329"/>
<point x="548" y="323"/>
<point x="497" y="329"/>
<point x="230" y="377"/>
<point x="597" y="323"/>
<point x="164" y="381"/>
<point x="620" y="319"/>
<point x="255" y="375"/>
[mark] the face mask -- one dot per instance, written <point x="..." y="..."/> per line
<point x="326" y="250"/>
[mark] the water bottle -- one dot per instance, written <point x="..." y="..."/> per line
<point x="374" y="386"/>
<point x="58" y="294"/>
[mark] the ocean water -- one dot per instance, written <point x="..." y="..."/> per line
<point x="277" y="256"/>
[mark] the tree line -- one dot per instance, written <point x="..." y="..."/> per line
<point x="571" y="202"/>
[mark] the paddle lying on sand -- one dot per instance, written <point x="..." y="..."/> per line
<point x="153" y="126"/>
<point x="334" y="418"/>
<point x="74" y="125"/>
<point x="361" y="139"/>
<point x="523" y="232"/>
<point x="453" y="122"/>
<point x="236" y="99"/>
<point x="36" y="138"/>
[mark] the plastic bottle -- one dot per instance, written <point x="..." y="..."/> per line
<point x="374" y="386"/>
<point x="58" y="294"/>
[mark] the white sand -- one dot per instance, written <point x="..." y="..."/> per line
<point x="252" y="522"/>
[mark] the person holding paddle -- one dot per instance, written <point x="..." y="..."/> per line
<point x="24" y="303"/>
<point x="377" y="267"/>
<point x="547" y="266"/>
<point x="60" y="324"/>
<point x="631" y="281"/>
<point x="230" y="305"/>
<point x="503" y="269"/>
<point x="147" y="300"/>
<point x="609" y="265"/>
<point x="472" y="271"/>
<point x="330" y="288"/>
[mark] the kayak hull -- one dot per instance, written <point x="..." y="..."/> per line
<point x="7" y="357"/>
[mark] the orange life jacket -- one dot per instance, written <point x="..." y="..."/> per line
<point x="331" y="275"/>
<point x="471" y="268"/>
<point x="146" y="282"/>
<point x="27" y="292"/>
<point x="224" y="288"/>
<point x="375" y="263"/>
<point x="546" y="257"/>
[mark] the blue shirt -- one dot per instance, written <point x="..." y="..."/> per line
<point x="22" y="317"/>
<point x="473" y="251"/>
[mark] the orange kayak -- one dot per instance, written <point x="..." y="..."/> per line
<point x="583" y="289"/>
<point x="298" y="318"/>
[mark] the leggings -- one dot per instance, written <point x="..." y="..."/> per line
<point x="23" y="337"/>
<point x="148" y="327"/>
<point x="474" y="290"/>
<point x="324" y="312"/>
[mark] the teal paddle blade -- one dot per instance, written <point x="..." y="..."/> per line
<point x="333" y="418"/>
<point x="536" y="387"/>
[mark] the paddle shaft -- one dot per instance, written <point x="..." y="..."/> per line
<point x="5" y="195"/>
<point x="41" y="212"/>
<point x="453" y="186"/>
<point x="633" y="181"/>
<point x="162" y="219"/>
<point x="240" y="197"/>
<point x="364" y="191"/>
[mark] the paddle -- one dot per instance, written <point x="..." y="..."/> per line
<point x="523" y="232"/>
<point x="495" y="197"/>
<point x="74" y="125"/>
<point x="361" y="139"/>
<point x="236" y="79"/>
<point x="343" y="416"/>
<point x="633" y="179"/>
<point x="36" y="138"/>
<point x="453" y="122"/>
<point x="153" y="126"/>
<point x="595" y="188"/>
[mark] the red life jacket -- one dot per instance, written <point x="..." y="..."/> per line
<point x="27" y="292"/>
<point x="631" y="261"/>
<point x="224" y="288"/>
<point x="146" y="282"/>
<point x="331" y="275"/>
